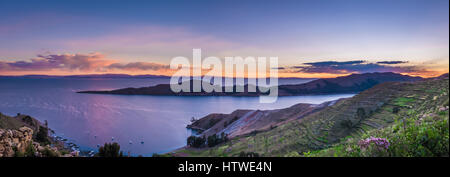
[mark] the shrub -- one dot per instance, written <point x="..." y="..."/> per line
<point x="347" y="124"/>
<point x="214" y="140"/>
<point x="196" y="142"/>
<point x="361" y="113"/>
<point x="64" y="151"/>
<point x="395" y="110"/>
<point x="49" y="153"/>
<point x="18" y="153"/>
<point x="224" y="137"/>
<point x="110" y="150"/>
<point x="254" y="132"/>
<point x="30" y="151"/>
<point x="42" y="136"/>
<point x="28" y="120"/>
<point x="374" y="146"/>
<point x="160" y="155"/>
<point x="248" y="154"/>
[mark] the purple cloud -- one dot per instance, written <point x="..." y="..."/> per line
<point x="391" y="62"/>
<point x="77" y="62"/>
<point x="138" y="66"/>
<point x="355" y="66"/>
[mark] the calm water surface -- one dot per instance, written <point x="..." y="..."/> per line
<point x="89" y="119"/>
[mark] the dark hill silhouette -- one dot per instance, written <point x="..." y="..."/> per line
<point x="346" y="84"/>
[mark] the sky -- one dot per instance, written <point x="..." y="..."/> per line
<point x="321" y="38"/>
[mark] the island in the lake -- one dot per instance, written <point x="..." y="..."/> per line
<point x="347" y="84"/>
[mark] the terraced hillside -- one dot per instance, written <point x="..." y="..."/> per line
<point x="375" y="108"/>
<point x="241" y="122"/>
<point x="420" y="129"/>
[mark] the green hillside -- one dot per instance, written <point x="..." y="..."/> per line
<point x="412" y="116"/>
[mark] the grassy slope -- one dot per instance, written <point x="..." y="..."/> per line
<point x="7" y="122"/>
<point x="326" y="129"/>
<point x="422" y="129"/>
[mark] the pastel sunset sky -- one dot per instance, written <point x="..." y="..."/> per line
<point x="324" y="38"/>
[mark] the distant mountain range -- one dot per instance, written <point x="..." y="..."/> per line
<point x="93" y="76"/>
<point x="347" y="84"/>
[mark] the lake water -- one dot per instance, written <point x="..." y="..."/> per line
<point x="89" y="119"/>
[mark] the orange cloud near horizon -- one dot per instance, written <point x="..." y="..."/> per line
<point x="97" y="63"/>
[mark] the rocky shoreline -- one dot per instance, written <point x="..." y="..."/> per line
<point x="24" y="136"/>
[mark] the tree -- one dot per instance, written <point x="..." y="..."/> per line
<point x="248" y="154"/>
<point x="212" y="140"/>
<point x="347" y="124"/>
<point x="191" y="141"/>
<point x="110" y="150"/>
<point x="30" y="151"/>
<point x="361" y="113"/>
<point x="196" y="142"/>
<point x="224" y="137"/>
<point x="42" y="135"/>
<point x="395" y="110"/>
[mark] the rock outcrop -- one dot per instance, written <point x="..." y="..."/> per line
<point x="12" y="141"/>
<point x="19" y="143"/>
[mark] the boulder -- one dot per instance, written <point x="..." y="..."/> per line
<point x="14" y="140"/>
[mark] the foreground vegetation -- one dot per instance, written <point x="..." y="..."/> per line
<point x="109" y="150"/>
<point x="420" y="130"/>
<point x="415" y="135"/>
